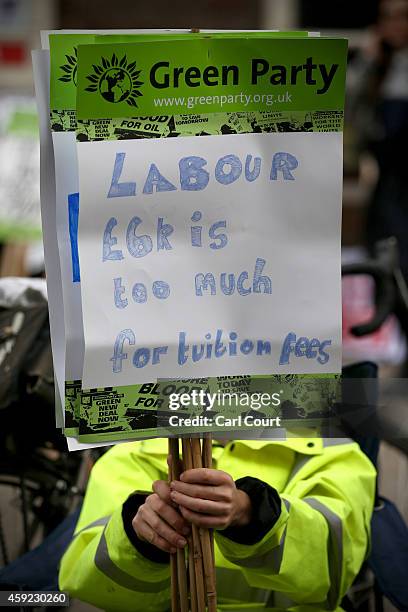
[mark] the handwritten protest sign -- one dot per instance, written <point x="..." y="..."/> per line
<point x="64" y="73"/>
<point x="215" y="270"/>
<point x="193" y="256"/>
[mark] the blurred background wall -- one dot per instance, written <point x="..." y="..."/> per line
<point x="21" y="21"/>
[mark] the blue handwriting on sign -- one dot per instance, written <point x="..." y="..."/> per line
<point x="193" y="176"/>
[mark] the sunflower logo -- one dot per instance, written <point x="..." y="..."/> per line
<point x="116" y="80"/>
<point x="70" y="68"/>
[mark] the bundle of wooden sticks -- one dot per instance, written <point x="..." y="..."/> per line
<point x="193" y="578"/>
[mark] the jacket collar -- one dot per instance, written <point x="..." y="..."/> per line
<point x="301" y="441"/>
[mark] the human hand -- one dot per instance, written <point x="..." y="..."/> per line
<point x="157" y="521"/>
<point x="209" y="498"/>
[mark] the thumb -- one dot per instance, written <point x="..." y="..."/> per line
<point x="162" y="489"/>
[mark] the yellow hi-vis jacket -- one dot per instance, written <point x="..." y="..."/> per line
<point x="307" y="561"/>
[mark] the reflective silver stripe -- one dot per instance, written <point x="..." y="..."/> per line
<point x="283" y="538"/>
<point x="335" y="549"/>
<point x="233" y="587"/>
<point x="98" y="523"/>
<point x="105" y="564"/>
<point x="300" y="462"/>
<point x="280" y="601"/>
<point x="336" y="441"/>
<point x="271" y="559"/>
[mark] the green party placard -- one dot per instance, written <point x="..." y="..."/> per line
<point x="64" y="64"/>
<point x="64" y="56"/>
<point x="208" y="75"/>
<point x="183" y="85"/>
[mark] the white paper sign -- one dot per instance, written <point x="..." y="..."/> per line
<point x="41" y="70"/>
<point x="67" y="203"/>
<point x="210" y="256"/>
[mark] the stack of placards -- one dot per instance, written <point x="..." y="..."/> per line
<point x="191" y="207"/>
<point x="20" y="164"/>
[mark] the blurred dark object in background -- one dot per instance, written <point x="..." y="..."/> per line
<point x="337" y="14"/>
<point x="38" y="477"/>
<point x="229" y="14"/>
<point x="378" y="110"/>
<point x="26" y="371"/>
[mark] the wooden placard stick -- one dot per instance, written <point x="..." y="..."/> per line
<point x="207" y="538"/>
<point x="208" y="463"/>
<point x="198" y="569"/>
<point x="188" y="455"/>
<point x="175" y="602"/>
<point x="179" y="592"/>
<point x="197" y="456"/>
<point x="191" y="574"/>
<point x="197" y="549"/>
<point x="191" y="570"/>
<point x="207" y="450"/>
